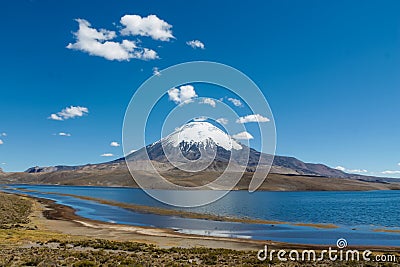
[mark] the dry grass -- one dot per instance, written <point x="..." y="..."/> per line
<point x="100" y="252"/>
<point x="14" y="210"/>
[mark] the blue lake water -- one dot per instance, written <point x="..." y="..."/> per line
<point x="356" y="213"/>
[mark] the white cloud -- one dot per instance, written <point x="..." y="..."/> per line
<point x="107" y="155"/>
<point x="200" y="119"/>
<point x="64" y="134"/>
<point x="3" y="163"/>
<point x="1" y="142"/>
<point x="3" y="134"/>
<point x="151" y="26"/>
<point x="235" y="101"/>
<point x="114" y="144"/>
<point x="55" y="117"/>
<point x="252" y="118"/>
<point x="69" y="113"/>
<point x="340" y="168"/>
<point x="390" y="172"/>
<point x="145" y="54"/>
<point x="185" y="93"/>
<point x="358" y="171"/>
<point x="398" y="163"/>
<point x="72" y="112"/>
<point x="343" y="169"/>
<point x="174" y="95"/>
<point x="156" y="71"/>
<point x="195" y="44"/>
<point x="97" y="43"/>
<point x="208" y="101"/>
<point x="222" y="121"/>
<point x="243" y="136"/>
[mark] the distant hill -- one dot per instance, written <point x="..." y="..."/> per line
<point x="196" y="143"/>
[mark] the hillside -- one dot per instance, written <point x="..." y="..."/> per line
<point x="196" y="154"/>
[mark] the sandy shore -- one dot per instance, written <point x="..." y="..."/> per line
<point x="52" y="217"/>
<point x="62" y="219"/>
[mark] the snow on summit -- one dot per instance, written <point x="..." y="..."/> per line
<point x="202" y="134"/>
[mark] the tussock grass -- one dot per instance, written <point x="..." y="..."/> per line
<point x="14" y="210"/>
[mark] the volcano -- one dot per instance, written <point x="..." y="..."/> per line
<point x="201" y="146"/>
<point x="198" y="143"/>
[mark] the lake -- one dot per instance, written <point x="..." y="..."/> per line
<point x="357" y="214"/>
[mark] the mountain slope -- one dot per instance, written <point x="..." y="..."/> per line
<point x="203" y="146"/>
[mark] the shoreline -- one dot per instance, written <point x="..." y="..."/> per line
<point x="192" y="215"/>
<point x="63" y="219"/>
<point x="164" y="238"/>
<point x="234" y="189"/>
<point x="394" y="186"/>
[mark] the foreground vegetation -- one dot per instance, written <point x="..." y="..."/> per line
<point x="110" y="253"/>
<point x="14" y="211"/>
<point x="24" y="244"/>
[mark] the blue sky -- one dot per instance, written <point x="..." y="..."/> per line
<point x="329" y="69"/>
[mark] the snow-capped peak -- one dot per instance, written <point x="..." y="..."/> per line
<point x="202" y="134"/>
